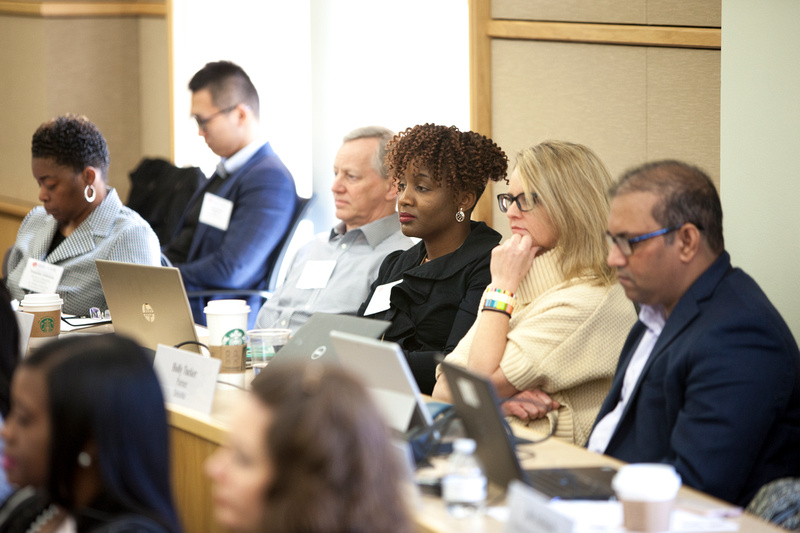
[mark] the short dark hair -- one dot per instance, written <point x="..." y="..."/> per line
<point x="72" y="141"/>
<point x="104" y="389"/>
<point x="333" y="465"/>
<point x="687" y="194"/>
<point x="461" y="161"/>
<point x="228" y="84"/>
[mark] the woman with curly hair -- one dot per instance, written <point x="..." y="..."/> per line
<point x="82" y="218"/>
<point x="557" y="318"/>
<point x="308" y="452"/>
<point x="430" y="293"/>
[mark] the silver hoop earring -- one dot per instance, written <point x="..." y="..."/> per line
<point x="86" y="195"/>
<point x="460" y="216"/>
<point x="84" y="459"/>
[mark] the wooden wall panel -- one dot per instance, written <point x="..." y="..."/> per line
<point x="683" y="110"/>
<point x="685" y="12"/>
<point x="604" y="11"/>
<point x="628" y="103"/>
<point x="658" y="12"/>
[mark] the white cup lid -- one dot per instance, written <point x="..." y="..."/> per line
<point x="41" y="299"/>
<point x="226" y="307"/>
<point x="646" y="482"/>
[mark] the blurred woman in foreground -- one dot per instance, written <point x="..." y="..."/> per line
<point x="86" y="440"/>
<point x="553" y="319"/>
<point x="307" y="452"/>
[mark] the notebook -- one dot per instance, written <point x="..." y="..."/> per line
<point x="382" y="366"/>
<point x="148" y="304"/>
<point x="477" y="406"/>
<point x="312" y="340"/>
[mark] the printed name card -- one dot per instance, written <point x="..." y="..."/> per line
<point x="187" y="379"/>
<point x="529" y="512"/>
<point x="216" y="211"/>
<point x="380" y="298"/>
<point x="40" y="276"/>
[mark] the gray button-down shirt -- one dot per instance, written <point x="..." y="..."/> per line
<point x="358" y="254"/>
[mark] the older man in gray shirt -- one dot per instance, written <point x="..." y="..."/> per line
<point x="333" y="273"/>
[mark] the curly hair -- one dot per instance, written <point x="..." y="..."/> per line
<point x="72" y="141"/>
<point x="463" y="161"/>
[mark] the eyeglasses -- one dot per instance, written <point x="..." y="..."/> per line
<point x="505" y="200"/>
<point x="202" y="123"/>
<point x="625" y="244"/>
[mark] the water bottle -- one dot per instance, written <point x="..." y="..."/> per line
<point x="464" y="486"/>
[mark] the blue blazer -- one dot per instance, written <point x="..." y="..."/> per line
<point x="719" y="397"/>
<point x="264" y="199"/>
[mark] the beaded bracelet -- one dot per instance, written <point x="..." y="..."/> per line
<point x="499" y="300"/>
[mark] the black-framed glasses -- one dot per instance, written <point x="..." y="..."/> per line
<point x="625" y="244"/>
<point x="505" y="200"/>
<point x="202" y="123"/>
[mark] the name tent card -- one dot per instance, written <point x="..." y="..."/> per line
<point x="187" y="379"/>
<point x="529" y="512"/>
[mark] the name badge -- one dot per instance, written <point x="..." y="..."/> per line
<point x="316" y="274"/>
<point x="40" y="276"/>
<point x="529" y="512"/>
<point x="216" y="211"/>
<point x="187" y="379"/>
<point x="380" y="298"/>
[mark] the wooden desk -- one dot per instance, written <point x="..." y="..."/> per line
<point x="195" y="437"/>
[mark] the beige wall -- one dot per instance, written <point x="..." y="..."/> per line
<point x="760" y="146"/>
<point x="113" y="69"/>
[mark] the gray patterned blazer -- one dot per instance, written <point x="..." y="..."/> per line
<point x="111" y="231"/>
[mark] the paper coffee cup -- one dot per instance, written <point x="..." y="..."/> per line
<point x="227" y="338"/>
<point x="46" y="310"/>
<point x="647" y="492"/>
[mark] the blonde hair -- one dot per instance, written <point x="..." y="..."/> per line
<point x="571" y="182"/>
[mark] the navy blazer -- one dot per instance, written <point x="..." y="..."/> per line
<point x="264" y="199"/>
<point x="719" y="397"/>
<point x="437" y="302"/>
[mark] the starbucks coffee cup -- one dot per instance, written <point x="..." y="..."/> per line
<point x="647" y="492"/>
<point x="46" y="310"/>
<point x="227" y="337"/>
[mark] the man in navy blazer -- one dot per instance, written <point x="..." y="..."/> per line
<point x="236" y="219"/>
<point x="709" y="378"/>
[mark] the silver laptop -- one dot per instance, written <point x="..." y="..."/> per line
<point x="312" y="340"/>
<point x="148" y="304"/>
<point x="382" y="366"/>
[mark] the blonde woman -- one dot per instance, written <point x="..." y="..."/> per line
<point x="553" y="320"/>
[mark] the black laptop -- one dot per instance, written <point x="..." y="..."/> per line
<point x="478" y="407"/>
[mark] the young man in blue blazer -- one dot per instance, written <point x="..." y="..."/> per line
<point x="236" y="219"/>
<point x="709" y="378"/>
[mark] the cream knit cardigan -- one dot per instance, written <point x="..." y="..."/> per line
<point x="564" y="337"/>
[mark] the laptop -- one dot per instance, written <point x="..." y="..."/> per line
<point x="148" y="304"/>
<point x="477" y="406"/>
<point x="383" y="368"/>
<point x="312" y="340"/>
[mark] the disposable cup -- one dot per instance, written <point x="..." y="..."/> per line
<point x="46" y="310"/>
<point x="264" y="344"/>
<point x="647" y="492"/>
<point x="227" y="341"/>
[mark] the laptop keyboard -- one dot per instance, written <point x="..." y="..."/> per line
<point x="573" y="483"/>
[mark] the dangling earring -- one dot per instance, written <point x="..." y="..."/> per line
<point x="84" y="459"/>
<point x="460" y="216"/>
<point x="86" y="195"/>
